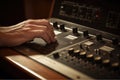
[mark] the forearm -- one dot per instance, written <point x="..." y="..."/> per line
<point x="2" y="38"/>
<point x="11" y="28"/>
<point x="12" y="39"/>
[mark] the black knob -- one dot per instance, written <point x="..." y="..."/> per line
<point x="99" y="37"/>
<point x="75" y="31"/>
<point x="56" y="55"/>
<point x="71" y="51"/>
<point x="85" y="33"/>
<point x="62" y="27"/>
<point x="115" y="41"/>
<point x="55" y="25"/>
<point x="81" y="46"/>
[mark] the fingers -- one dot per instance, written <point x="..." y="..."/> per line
<point x="41" y="22"/>
<point x="41" y="28"/>
<point x="42" y="34"/>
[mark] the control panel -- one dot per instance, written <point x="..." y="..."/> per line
<point x="101" y="14"/>
<point x="88" y="41"/>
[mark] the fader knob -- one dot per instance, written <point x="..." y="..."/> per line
<point x="56" y="55"/>
<point x="75" y="31"/>
<point x="99" y="37"/>
<point x="85" y="33"/>
<point x="115" y="41"/>
<point x="62" y="27"/>
<point x="55" y="25"/>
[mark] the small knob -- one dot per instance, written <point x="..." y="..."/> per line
<point x="62" y="27"/>
<point x="97" y="56"/>
<point x="76" y="53"/>
<point x="97" y="59"/>
<point x="115" y="41"/>
<point x="115" y="64"/>
<point x="71" y="51"/>
<point x="99" y="37"/>
<point x="56" y="55"/>
<point x="89" y="56"/>
<point x="55" y="25"/>
<point x="82" y="54"/>
<point x="85" y="33"/>
<point x="75" y="31"/>
<point x="81" y="47"/>
<point x="106" y="62"/>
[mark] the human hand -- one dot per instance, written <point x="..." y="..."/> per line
<point x="28" y="30"/>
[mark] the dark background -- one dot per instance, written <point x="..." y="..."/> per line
<point x="11" y="11"/>
<point x="14" y="11"/>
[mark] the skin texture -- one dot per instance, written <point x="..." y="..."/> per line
<point x="26" y="31"/>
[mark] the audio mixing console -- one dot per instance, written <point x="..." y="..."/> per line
<point x="88" y="41"/>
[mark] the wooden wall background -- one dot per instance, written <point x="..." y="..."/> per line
<point x="14" y="11"/>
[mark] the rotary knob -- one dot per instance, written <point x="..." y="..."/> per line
<point x="106" y="62"/>
<point x="76" y="53"/>
<point x="71" y="51"/>
<point x="89" y="56"/>
<point x="82" y="54"/>
<point x="97" y="59"/>
<point x="115" y="64"/>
